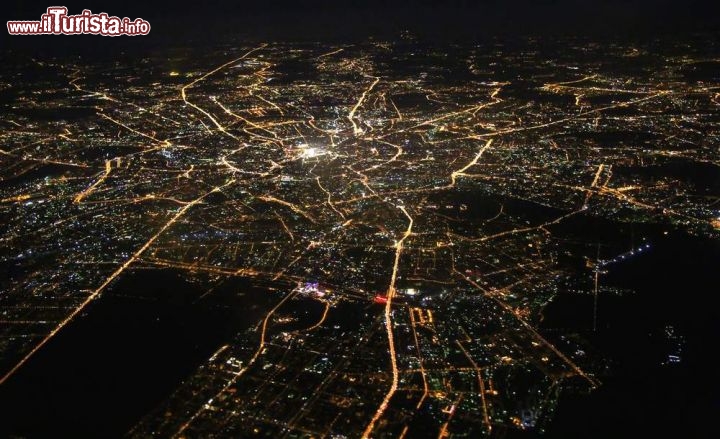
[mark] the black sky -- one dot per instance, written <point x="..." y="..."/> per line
<point x="319" y="19"/>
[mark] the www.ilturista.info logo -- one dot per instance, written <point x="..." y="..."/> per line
<point x="57" y="22"/>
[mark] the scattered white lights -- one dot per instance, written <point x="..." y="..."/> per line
<point x="309" y="152"/>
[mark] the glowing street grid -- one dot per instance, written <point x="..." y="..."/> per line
<point x="409" y="210"/>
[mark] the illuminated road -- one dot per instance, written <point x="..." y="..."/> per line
<point x="112" y="277"/>
<point x="246" y="366"/>
<point x="389" y="327"/>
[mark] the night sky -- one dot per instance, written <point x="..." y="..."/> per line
<point x="324" y="19"/>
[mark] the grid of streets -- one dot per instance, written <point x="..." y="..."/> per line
<point x="408" y="211"/>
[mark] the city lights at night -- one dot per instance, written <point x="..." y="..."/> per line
<point x="397" y="234"/>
